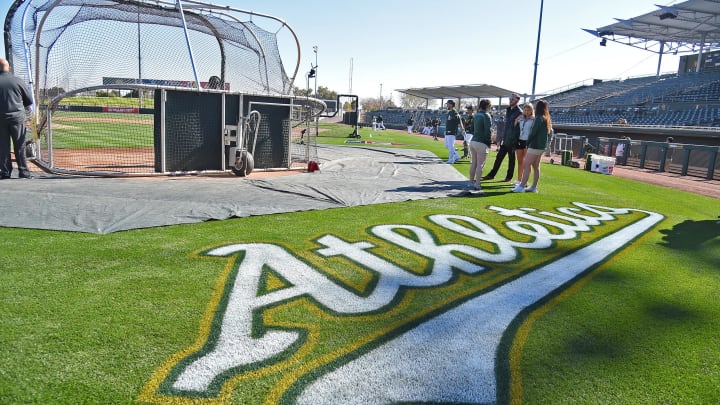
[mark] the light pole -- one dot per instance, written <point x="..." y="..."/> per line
<point x="351" y="75"/>
<point x="537" y="51"/>
<point x="381" y="99"/>
<point x="315" y="49"/>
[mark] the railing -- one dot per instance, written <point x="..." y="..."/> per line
<point x="682" y="159"/>
<point x="686" y="127"/>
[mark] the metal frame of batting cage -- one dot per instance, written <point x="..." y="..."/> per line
<point x="205" y="16"/>
<point x="226" y="134"/>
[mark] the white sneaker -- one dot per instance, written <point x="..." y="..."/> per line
<point x="531" y="190"/>
<point x="518" y="189"/>
<point x="516" y="183"/>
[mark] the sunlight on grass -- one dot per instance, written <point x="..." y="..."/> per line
<point x="89" y="318"/>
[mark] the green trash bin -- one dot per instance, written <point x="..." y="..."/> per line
<point x="588" y="162"/>
<point x="566" y="157"/>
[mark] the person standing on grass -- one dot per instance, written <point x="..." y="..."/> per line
<point x="537" y="143"/>
<point x="14" y="98"/>
<point x="507" y="144"/>
<point x="452" y="128"/>
<point x="380" y="125"/>
<point x="435" y="127"/>
<point x="467" y="123"/>
<point x="480" y="142"/>
<point x="523" y="126"/>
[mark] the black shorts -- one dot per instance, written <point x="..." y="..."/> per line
<point x="521" y="144"/>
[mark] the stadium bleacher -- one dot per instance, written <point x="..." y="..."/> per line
<point x="688" y="99"/>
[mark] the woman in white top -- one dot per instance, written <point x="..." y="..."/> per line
<point x="525" y="124"/>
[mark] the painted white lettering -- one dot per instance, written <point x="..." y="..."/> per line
<point x="442" y="255"/>
<point x="580" y="225"/>
<point x="476" y="327"/>
<point x="237" y="344"/>
<point x="543" y="236"/>
<point x="506" y="247"/>
<point x="605" y="213"/>
<point x="568" y="231"/>
<point x="592" y="221"/>
<point x="391" y="276"/>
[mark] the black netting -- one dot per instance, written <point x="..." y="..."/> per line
<point x="84" y="43"/>
<point x="193" y="131"/>
<point x="96" y="67"/>
<point x="272" y="144"/>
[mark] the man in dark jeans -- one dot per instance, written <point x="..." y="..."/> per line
<point x="380" y="125"/>
<point x="467" y="123"/>
<point x="14" y="98"/>
<point x="507" y="148"/>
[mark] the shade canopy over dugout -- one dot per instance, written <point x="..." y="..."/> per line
<point x="689" y="27"/>
<point x="62" y="45"/>
<point x="477" y="91"/>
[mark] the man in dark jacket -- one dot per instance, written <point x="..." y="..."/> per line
<point x="14" y="98"/>
<point x="435" y="127"/>
<point x="467" y="123"/>
<point x="507" y="145"/>
<point x="453" y="127"/>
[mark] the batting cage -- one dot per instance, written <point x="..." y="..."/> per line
<point x="135" y="87"/>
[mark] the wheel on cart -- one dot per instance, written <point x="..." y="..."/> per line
<point x="244" y="164"/>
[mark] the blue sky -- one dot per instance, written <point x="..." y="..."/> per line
<point x="422" y="43"/>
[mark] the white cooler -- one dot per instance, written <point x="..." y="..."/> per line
<point x="602" y="164"/>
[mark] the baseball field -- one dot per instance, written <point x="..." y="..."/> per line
<point x="597" y="289"/>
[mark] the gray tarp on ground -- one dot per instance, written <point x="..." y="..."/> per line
<point x="349" y="176"/>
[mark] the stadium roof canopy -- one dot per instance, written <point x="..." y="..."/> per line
<point x="688" y="27"/>
<point x="455" y="92"/>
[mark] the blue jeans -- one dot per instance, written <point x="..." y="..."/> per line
<point x="12" y="130"/>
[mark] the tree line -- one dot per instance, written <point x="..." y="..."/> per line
<point x="370" y="103"/>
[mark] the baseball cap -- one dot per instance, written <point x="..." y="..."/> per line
<point x="452" y="103"/>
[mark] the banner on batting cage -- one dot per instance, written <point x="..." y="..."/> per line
<point x="122" y="110"/>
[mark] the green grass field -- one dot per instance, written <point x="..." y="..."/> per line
<point x="81" y="130"/>
<point x="107" y="318"/>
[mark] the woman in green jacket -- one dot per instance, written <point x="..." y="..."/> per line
<point x="480" y="142"/>
<point x="536" y="143"/>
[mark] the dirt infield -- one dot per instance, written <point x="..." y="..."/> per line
<point x="122" y="161"/>
<point x="697" y="185"/>
<point x="111" y="160"/>
<point x="137" y="161"/>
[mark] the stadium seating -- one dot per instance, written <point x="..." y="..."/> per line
<point x="689" y="99"/>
